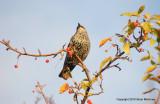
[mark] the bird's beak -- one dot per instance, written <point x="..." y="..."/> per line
<point x="79" y="25"/>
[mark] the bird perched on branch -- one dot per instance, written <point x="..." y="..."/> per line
<point x="79" y="45"/>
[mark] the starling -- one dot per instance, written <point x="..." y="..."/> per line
<point x="80" y="46"/>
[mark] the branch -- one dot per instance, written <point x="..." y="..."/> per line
<point x="7" y="43"/>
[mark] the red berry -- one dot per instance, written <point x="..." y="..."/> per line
<point x="68" y="48"/>
<point x="135" y="24"/>
<point x="110" y="39"/>
<point x="129" y="20"/>
<point x="70" y="54"/>
<point x="101" y="76"/>
<point x="16" y="66"/>
<point x="113" y="45"/>
<point x="110" y="57"/>
<point x="136" y="39"/>
<point x="137" y="21"/>
<point x="33" y="91"/>
<point x="106" y="50"/>
<point x="141" y="49"/>
<point x="127" y="36"/>
<point x="69" y="91"/>
<point x="67" y="77"/>
<point x="139" y="32"/>
<point x="159" y="29"/>
<point x="47" y="61"/>
<point x="89" y="101"/>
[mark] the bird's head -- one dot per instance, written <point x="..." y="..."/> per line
<point x="80" y="28"/>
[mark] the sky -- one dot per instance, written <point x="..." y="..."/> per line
<point x="49" y="24"/>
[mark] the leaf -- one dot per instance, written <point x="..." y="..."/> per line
<point x="154" y="79"/>
<point x="131" y="28"/>
<point x="158" y="23"/>
<point x="94" y="79"/>
<point x="156" y="32"/>
<point x="151" y="68"/>
<point x="152" y="62"/>
<point x="141" y="9"/>
<point x="152" y="42"/>
<point x="69" y="74"/>
<point x="150" y="57"/>
<point x="136" y="44"/>
<point x="130" y="14"/>
<point x="103" y="41"/>
<point x="155" y="17"/>
<point x="104" y="62"/>
<point x="126" y="48"/>
<point x="157" y="48"/>
<point x="146" y="26"/>
<point x="144" y="58"/>
<point x="85" y="79"/>
<point x="85" y="85"/>
<point x="147" y="15"/>
<point x="151" y="24"/>
<point x="159" y="60"/>
<point x="122" y="39"/>
<point x="63" y="88"/>
<point x="90" y="94"/>
<point x="148" y="91"/>
<point x="146" y="77"/>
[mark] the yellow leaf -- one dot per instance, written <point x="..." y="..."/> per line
<point x="150" y="57"/>
<point x="94" y="79"/>
<point x="154" y="79"/>
<point x="151" y="68"/>
<point x="155" y="17"/>
<point x="103" y="41"/>
<point x="151" y="24"/>
<point x="147" y="15"/>
<point x="130" y="14"/>
<point x="126" y="48"/>
<point x="141" y="9"/>
<point x="146" y="77"/>
<point x="158" y="23"/>
<point x="104" y="62"/>
<point x="152" y="41"/>
<point x="145" y="58"/>
<point x="146" y="26"/>
<point x="63" y="88"/>
<point x="122" y="39"/>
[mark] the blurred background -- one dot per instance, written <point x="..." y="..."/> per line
<point x="49" y="24"/>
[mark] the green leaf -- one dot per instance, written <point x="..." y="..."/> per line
<point x="122" y="39"/>
<point x="84" y="85"/>
<point x="85" y="79"/>
<point x="158" y="23"/>
<point x="155" y="17"/>
<point x="146" y="26"/>
<point x="157" y="48"/>
<point x="104" y="62"/>
<point x="152" y="62"/>
<point x="69" y="74"/>
<point x="144" y="58"/>
<point x="151" y="68"/>
<point x="131" y="14"/>
<point x="126" y="48"/>
<point x="156" y="32"/>
<point x="146" y="77"/>
<point x="136" y="44"/>
<point x="141" y="9"/>
<point x="152" y="42"/>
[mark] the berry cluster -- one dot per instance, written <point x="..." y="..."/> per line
<point x="89" y="101"/>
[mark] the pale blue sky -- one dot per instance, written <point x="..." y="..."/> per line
<point x="47" y="25"/>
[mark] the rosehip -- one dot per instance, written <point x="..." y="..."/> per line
<point x="137" y="21"/>
<point x="16" y="66"/>
<point x="68" y="48"/>
<point x="110" y="57"/>
<point x="70" y="54"/>
<point x="67" y="77"/>
<point x="159" y="29"/>
<point x="101" y="76"/>
<point x="106" y="50"/>
<point x="89" y="101"/>
<point x="33" y="91"/>
<point x="127" y="36"/>
<point x="141" y="49"/>
<point x="69" y="91"/>
<point x="47" y="61"/>
<point x="110" y="39"/>
<point x="135" y="24"/>
<point x="113" y="45"/>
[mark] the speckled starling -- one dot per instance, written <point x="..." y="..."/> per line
<point x="80" y="46"/>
